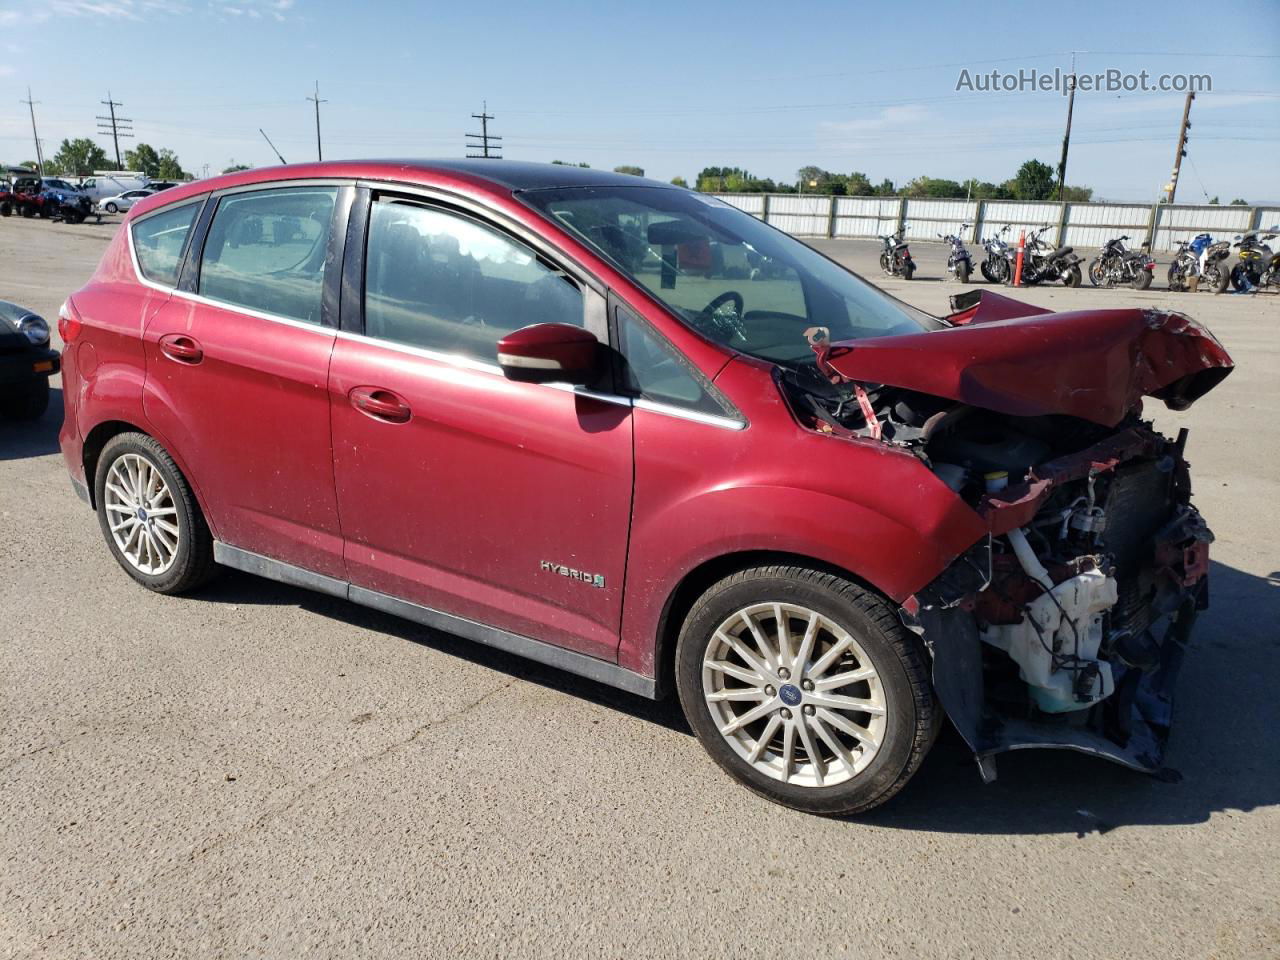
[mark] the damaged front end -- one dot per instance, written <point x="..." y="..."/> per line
<point x="1066" y="624"/>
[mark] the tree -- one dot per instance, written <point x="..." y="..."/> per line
<point x="170" y="168"/>
<point x="566" y="163"/>
<point x="679" y="182"/>
<point x="1034" y="181"/>
<point x="1237" y="202"/>
<point x="628" y="168"/>
<point x="144" y="159"/>
<point x="1078" y="194"/>
<point x="237" y="167"/>
<point x="79" y="157"/>
<point x="985" y="190"/>
<point x="857" y="185"/>
<point x="933" y="187"/>
<point x="1214" y="202"/>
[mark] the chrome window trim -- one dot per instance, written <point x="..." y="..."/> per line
<point x="452" y="359"/>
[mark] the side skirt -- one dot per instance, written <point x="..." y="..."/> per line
<point x="567" y="660"/>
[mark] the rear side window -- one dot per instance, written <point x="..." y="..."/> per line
<point x="266" y="251"/>
<point x="159" y="240"/>
<point x="443" y="281"/>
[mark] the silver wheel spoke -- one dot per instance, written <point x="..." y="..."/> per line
<point x="760" y="673"/>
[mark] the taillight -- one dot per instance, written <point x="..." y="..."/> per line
<point x="68" y="322"/>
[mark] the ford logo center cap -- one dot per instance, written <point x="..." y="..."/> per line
<point x="790" y="694"/>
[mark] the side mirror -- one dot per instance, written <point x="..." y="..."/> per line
<point x="550" y="353"/>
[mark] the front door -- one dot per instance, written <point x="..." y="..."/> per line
<point x="237" y="373"/>
<point x="459" y="490"/>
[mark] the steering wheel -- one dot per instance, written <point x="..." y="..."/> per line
<point x="714" y="320"/>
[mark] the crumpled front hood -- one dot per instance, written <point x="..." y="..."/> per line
<point x="1092" y="364"/>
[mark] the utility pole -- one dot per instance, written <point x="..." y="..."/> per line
<point x="1171" y="187"/>
<point x="484" y="136"/>
<point x="277" y="152"/>
<point x="31" y="104"/>
<point x="116" y="126"/>
<point x="1066" y="137"/>
<point x="316" y="99"/>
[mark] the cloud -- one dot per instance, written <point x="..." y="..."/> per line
<point x="890" y="118"/>
<point x="6" y="70"/>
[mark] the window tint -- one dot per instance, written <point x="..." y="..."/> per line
<point x="442" y="281"/>
<point x="159" y="240"/>
<point x="654" y="371"/>
<point x="266" y="251"/>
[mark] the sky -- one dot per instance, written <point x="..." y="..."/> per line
<point x="671" y="87"/>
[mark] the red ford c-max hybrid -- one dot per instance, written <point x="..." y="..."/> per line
<point x="631" y="431"/>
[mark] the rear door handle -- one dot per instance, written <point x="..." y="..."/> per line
<point x="380" y="404"/>
<point x="180" y="347"/>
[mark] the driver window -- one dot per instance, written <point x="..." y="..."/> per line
<point x="266" y="251"/>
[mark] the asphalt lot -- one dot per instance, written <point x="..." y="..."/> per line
<point x="258" y="771"/>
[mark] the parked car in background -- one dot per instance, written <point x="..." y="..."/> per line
<point x="103" y="185"/>
<point x="458" y="392"/>
<point x="124" y="201"/>
<point x="65" y="200"/>
<point x="26" y="362"/>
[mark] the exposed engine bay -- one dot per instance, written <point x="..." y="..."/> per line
<point x="1066" y="624"/>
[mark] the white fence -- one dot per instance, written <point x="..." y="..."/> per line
<point x="1084" y="225"/>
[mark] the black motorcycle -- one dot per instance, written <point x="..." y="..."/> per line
<point x="1044" y="264"/>
<point x="1258" y="265"/>
<point x="958" y="260"/>
<point x="996" y="268"/>
<point x="895" y="258"/>
<point x="1116" y="264"/>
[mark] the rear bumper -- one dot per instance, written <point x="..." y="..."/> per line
<point x="18" y="369"/>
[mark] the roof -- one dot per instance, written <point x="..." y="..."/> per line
<point x="493" y="176"/>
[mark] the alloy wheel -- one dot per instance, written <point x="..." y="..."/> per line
<point x="141" y="514"/>
<point x="794" y="694"/>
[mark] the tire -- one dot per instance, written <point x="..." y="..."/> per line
<point x="29" y="404"/>
<point x="6" y="209"/>
<point x="1142" y="279"/>
<point x="908" y="270"/>
<point x="962" y="271"/>
<point x="985" y="269"/>
<point x="1222" y="280"/>
<point x="884" y="264"/>
<point x="901" y="734"/>
<point x="1176" y="284"/>
<point x="191" y="563"/>
<point x="1072" y="277"/>
<point x="112" y="208"/>
<point x="1096" y="274"/>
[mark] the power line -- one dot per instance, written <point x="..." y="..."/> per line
<point x="116" y="126"/>
<point x="31" y="104"/>
<point x="484" y="136"/>
<point x="316" y="99"/>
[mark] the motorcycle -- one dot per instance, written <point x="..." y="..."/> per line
<point x="996" y="267"/>
<point x="1044" y="264"/>
<point x="1258" y="266"/>
<point x="1215" y="268"/>
<point x="958" y="261"/>
<point x="895" y="258"/>
<point x="1117" y="264"/>
<point x="1186" y="263"/>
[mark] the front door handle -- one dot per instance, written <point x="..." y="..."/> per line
<point x="180" y="347"/>
<point x="380" y="404"/>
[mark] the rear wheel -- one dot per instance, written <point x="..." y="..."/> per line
<point x="806" y="689"/>
<point x="149" y="517"/>
<point x="1221" y="278"/>
<point x="1142" y="279"/>
<point x="1071" y="278"/>
<point x="908" y="269"/>
<point x="6" y="208"/>
<point x="112" y="208"/>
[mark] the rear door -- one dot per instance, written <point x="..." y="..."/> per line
<point x="237" y="367"/>
<point x="459" y="490"/>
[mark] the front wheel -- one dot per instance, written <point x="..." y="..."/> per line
<point x="1097" y="272"/>
<point x="149" y="516"/>
<point x="29" y="403"/>
<point x="806" y="689"/>
<point x="112" y="208"/>
<point x="1176" y="284"/>
<point x="1071" y="278"/>
<point x="885" y="265"/>
<point x="962" y="271"/>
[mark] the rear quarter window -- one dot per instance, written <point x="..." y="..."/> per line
<point x="160" y="239"/>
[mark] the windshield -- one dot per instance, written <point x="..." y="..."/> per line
<point x="726" y="274"/>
